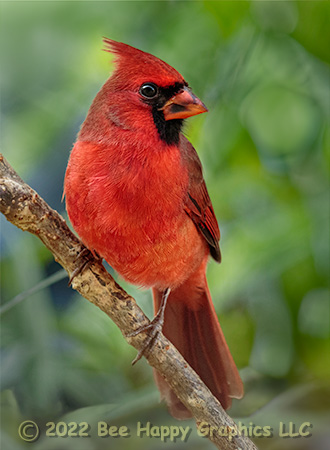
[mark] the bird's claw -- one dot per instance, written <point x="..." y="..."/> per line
<point x="88" y="257"/>
<point x="155" y="327"/>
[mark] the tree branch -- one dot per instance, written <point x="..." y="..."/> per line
<point x="23" y="207"/>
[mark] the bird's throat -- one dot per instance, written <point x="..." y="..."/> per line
<point x="168" y="130"/>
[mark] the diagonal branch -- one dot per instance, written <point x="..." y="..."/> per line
<point x="23" y="207"/>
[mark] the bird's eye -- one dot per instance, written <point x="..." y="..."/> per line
<point x="148" y="90"/>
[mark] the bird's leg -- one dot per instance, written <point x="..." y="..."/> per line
<point x="88" y="257"/>
<point x="153" y="328"/>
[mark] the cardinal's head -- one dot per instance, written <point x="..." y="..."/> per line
<point x="145" y="90"/>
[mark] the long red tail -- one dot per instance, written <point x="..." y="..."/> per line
<point x="191" y="324"/>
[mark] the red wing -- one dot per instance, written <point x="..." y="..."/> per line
<point x="198" y="204"/>
<point x="199" y="208"/>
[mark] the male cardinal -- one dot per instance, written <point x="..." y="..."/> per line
<point x="135" y="194"/>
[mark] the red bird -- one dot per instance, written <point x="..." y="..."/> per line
<point x="135" y="194"/>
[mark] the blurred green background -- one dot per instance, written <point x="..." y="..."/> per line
<point x="262" y="68"/>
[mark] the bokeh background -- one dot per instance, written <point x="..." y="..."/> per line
<point x="262" y="68"/>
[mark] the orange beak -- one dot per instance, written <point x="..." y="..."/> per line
<point x="182" y="105"/>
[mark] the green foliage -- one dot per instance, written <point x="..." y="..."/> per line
<point x="262" y="69"/>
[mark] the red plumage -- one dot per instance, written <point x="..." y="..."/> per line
<point x="135" y="194"/>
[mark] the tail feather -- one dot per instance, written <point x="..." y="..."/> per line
<point x="191" y="324"/>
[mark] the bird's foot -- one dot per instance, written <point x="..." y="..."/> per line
<point x="84" y="259"/>
<point x="153" y="328"/>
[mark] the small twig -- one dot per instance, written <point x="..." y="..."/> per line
<point x="23" y="207"/>
<point x="54" y="278"/>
